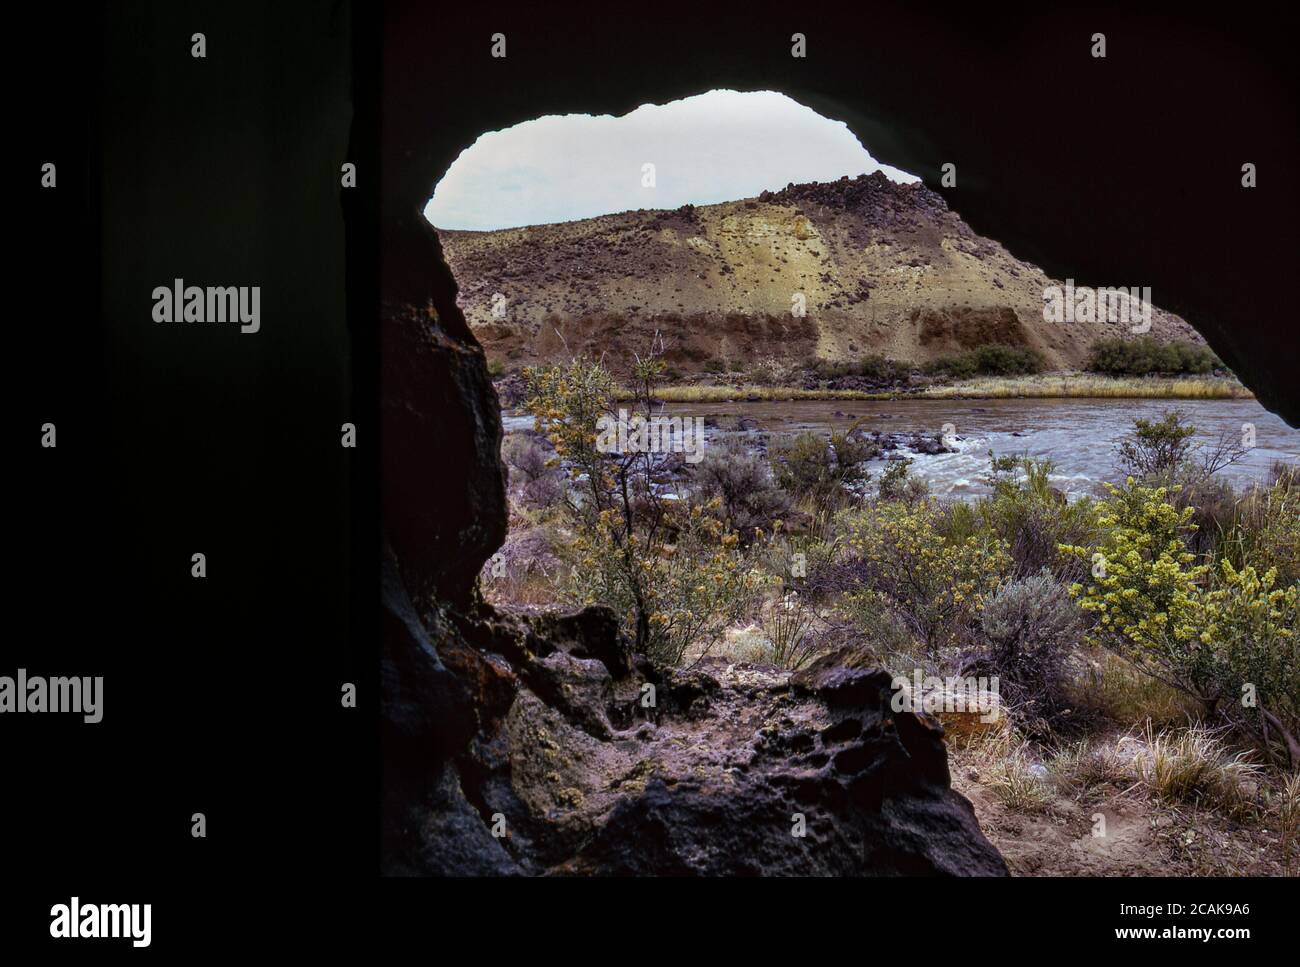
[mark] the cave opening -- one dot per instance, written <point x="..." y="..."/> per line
<point x="574" y="700"/>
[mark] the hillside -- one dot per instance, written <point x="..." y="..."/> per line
<point x="884" y="268"/>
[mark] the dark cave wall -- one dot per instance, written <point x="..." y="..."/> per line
<point x="1122" y="171"/>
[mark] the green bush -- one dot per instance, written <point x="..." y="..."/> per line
<point x="1228" y="637"/>
<point x="807" y="465"/>
<point x="1157" y="450"/>
<point x="1034" y="517"/>
<point x="879" y="367"/>
<point x="896" y="483"/>
<point x="1264" y="530"/>
<point x="1144" y="356"/>
<point x="990" y="360"/>
<point x="1144" y="587"/>
<point x="874" y="366"/>
<point x="935" y="585"/>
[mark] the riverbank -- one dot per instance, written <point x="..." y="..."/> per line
<point x="1054" y="386"/>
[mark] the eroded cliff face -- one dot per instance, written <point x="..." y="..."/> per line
<point x="882" y="268"/>
<point x="537" y="726"/>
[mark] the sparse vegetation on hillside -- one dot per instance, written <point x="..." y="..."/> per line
<point x="860" y="271"/>
<point x="873" y="367"/>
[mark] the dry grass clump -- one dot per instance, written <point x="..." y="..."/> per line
<point x="1020" y="782"/>
<point x="1088" y="766"/>
<point x="1288" y="812"/>
<point x="1004" y="763"/>
<point x="1194" y="766"/>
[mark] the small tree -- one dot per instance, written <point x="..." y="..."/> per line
<point x="675" y="574"/>
<point x="1156" y="449"/>
<point x="1165" y="451"/>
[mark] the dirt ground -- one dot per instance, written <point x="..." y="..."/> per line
<point x="1142" y="837"/>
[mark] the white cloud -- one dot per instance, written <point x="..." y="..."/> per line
<point x="713" y="147"/>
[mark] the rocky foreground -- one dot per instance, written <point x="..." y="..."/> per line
<point x="737" y="770"/>
<point x="529" y="745"/>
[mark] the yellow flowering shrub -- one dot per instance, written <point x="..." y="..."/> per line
<point x="1143" y="583"/>
<point x="1226" y="636"/>
<point x="692" y="584"/>
<point x="1252" y="631"/>
<point x="934" y="581"/>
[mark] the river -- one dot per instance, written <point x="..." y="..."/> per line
<point x="1078" y="435"/>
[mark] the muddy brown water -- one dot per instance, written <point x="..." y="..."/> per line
<point x="1078" y="435"/>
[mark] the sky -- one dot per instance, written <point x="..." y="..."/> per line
<point x="710" y="148"/>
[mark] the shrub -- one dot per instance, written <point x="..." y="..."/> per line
<point x="955" y="367"/>
<point x="530" y="470"/>
<point x="1030" y="627"/>
<point x="1165" y="452"/>
<point x="743" y="483"/>
<point x="1144" y="356"/>
<point x="1143" y="586"/>
<point x="1157" y="450"/>
<point x="897" y="484"/>
<point x="1034" y="517"/>
<point x="874" y="367"/>
<point x="1214" y="508"/>
<point x="1263" y="529"/>
<point x="799" y="561"/>
<point x="675" y="574"/>
<point x="935" y="585"/>
<point x="989" y="360"/>
<point x="1114" y="688"/>
<point x="1230" y="638"/>
<point x="879" y="367"/>
<point x="879" y="630"/>
<point x="1252" y="637"/>
<point x="807" y="466"/>
<point x="690" y="590"/>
